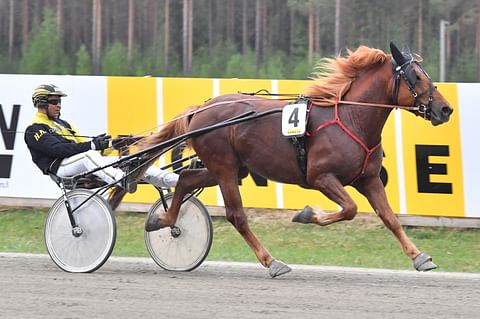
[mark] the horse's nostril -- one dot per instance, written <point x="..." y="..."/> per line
<point x="447" y="110"/>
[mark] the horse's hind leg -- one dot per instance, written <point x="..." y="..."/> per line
<point x="188" y="181"/>
<point x="227" y="180"/>
<point x="331" y="187"/>
<point x="373" y="189"/>
<point x="227" y="176"/>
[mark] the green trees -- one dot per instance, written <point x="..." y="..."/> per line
<point x="114" y="60"/>
<point x="228" y="38"/>
<point x="83" y="63"/>
<point x="44" y="52"/>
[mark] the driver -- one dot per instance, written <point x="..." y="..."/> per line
<point x="57" y="147"/>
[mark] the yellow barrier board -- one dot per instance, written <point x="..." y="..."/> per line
<point x="426" y="170"/>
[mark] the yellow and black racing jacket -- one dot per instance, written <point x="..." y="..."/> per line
<point x="50" y="141"/>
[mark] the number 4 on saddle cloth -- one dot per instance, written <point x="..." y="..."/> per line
<point x="294" y="123"/>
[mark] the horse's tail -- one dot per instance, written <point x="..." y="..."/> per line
<point x="116" y="196"/>
<point x="172" y="129"/>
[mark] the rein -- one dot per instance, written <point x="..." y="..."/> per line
<point x="333" y="101"/>
<point x="387" y="106"/>
<point x="205" y="108"/>
<point x="289" y="97"/>
<point x="399" y="72"/>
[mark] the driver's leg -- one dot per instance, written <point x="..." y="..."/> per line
<point x="87" y="161"/>
<point x="159" y="177"/>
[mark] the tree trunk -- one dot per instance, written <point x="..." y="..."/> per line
<point x="155" y="33"/>
<point x="96" y="34"/>
<point x="36" y="12"/>
<point x="190" y="37"/>
<point x="99" y="34"/>
<point x="115" y="34"/>
<point x="10" y="29"/>
<point x="108" y="26"/>
<point x="210" y="26"/>
<point x="166" y="37"/>
<point x="477" y="39"/>
<point x="80" y="26"/>
<point x="310" y="36"/>
<point x="230" y="14"/>
<point x="338" y="4"/>
<point x="25" y="23"/>
<point x="420" y="27"/>
<point x="131" y="17"/>
<point x="145" y="25"/>
<point x="244" y="28"/>
<point x="317" y="36"/>
<point x="291" y="47"/>
<point x="185" y="38"/>
<point x="265" y="42"/>
<point x="74" y="21"/>
<point x="258" y="34"/>
<point x="60" y="18"/>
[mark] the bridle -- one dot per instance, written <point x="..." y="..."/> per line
<point x="407" y="73"/>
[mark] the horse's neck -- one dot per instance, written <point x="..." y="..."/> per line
<point x="366" y="121"/>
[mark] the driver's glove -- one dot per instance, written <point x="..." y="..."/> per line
<point x="101" y="142"/>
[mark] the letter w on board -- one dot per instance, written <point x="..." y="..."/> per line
<point x="8" y="135"/>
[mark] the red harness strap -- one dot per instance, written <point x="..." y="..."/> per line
<point x="339" y="122"/>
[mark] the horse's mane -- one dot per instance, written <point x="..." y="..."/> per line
<point x="334" y="76"/>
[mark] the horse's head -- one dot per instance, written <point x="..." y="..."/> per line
<point x="413" y="87"/>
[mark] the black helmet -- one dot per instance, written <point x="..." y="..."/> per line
<point x="41" y="93"/>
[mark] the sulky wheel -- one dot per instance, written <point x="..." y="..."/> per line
<point x="87" y="247"/>
<point x="184" y="246"/>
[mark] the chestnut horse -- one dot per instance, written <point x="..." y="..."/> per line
<point x="349" y="103"/>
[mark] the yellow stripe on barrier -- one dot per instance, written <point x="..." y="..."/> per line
<point x="255" y="191"/>
<point x="178" y="95"/>
<point x="132" y="109"/>
<point x="433" y="162"/>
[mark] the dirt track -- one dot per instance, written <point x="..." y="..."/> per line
<point x="32" y="287"/>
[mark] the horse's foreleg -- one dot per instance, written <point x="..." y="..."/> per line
<point x="188" y="181"/>
<point x="374" y="191"/>
<point x="333" y="189"/>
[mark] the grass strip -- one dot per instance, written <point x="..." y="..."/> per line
<point x="363" y="242"/>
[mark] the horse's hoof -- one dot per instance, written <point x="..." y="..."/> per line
<point x="423" y="262"/>
<point x="153" y="223"/>
<point x="305" y="216"/>
<point x="277" y="268"/>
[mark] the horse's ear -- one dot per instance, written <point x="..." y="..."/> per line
<point x="396" y="54"/>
